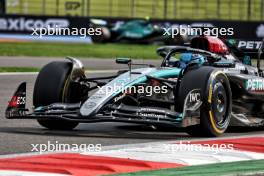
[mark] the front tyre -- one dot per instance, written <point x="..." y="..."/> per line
<point x="215" y="112"/>
<point x="50" y="87"/>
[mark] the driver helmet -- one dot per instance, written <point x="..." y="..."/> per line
<point x="186" y="58"/>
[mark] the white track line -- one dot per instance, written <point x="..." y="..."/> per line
<point x="18" y="73"/>
<point x="101" y="71"/>
<point x="35" y="73"/>
<point x="124" y="147"/>
<point x="169" y="151"/>
<point x="26" y="173"/>
<point x="155" y="151"/>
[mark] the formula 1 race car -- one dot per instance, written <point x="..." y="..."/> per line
<point x="204" y="87"/>
<point x="134" y="31"/>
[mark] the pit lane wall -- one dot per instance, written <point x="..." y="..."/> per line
<point x="17" y="26"/>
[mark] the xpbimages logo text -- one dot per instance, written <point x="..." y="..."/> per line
<point x="56" y="146"/>
<point x="148" y="90"/>
<point x="187" y="146"/>
<point x="65" y="31"/>
<point x="187" y="30"/>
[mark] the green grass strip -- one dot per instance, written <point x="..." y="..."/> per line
<point x="18" y="69"/>
<point x="79" y="50"/>
<point x="232" y="168"/>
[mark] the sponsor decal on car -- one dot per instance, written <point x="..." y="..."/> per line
<point x="15" y="101"/>
<point x="151" y="115"/>
<point x="242" y="44"/>
<point x="195" y="97"/>
<point x="255" y="85"/>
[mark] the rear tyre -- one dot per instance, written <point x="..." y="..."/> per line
<point x="216" y="95"/>
<point x="50" y="87"/>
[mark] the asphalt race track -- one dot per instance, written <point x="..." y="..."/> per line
<point x="16" y="136"/>
<point x="89" y="63"/>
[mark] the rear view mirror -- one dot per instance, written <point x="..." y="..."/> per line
<point x="123" y="61"/>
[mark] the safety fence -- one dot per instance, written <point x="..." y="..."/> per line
<point x="158" y="9"/>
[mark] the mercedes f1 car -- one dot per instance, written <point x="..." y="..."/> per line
<point x="205" y="87"/>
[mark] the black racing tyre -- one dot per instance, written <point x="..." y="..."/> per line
<point x="216" y="95"/>
<point x="216" y="112"/>
<point x="50" y="88"/>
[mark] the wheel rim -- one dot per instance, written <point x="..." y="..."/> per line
<point x="220" y="104"/>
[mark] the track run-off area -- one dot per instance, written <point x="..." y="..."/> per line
<point x="144" y="146"/>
